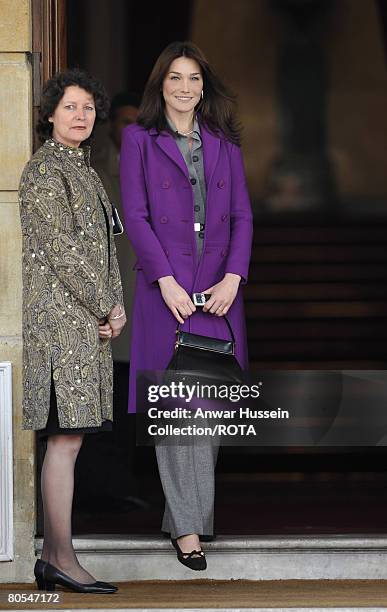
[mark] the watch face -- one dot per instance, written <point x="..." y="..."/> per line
<point x="199" y="299"/>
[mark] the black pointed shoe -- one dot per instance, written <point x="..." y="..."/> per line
<point x="195" y="560"/>
<point x="38" y="572"/>
<point x="48" y="576"/>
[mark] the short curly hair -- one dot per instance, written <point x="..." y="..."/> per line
<point x="53" y="92"/>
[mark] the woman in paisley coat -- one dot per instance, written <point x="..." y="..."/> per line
<point x="72" y="307"/>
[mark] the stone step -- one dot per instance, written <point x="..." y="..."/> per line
<point x="123" y="558"/>
<point x="231" y="609"/>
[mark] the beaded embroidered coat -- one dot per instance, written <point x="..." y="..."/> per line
<point x="71" y="280"/>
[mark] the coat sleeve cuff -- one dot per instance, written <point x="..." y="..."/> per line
<point x="153" y="274"/>
<point x="237" y="270"/>
<point x="106" y="303"/>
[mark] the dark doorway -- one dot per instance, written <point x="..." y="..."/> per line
<point x="317" y="296"/>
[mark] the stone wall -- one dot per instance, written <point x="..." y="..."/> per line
<point x="15" y="150"/>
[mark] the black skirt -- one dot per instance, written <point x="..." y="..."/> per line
<point x="53" y="428"/>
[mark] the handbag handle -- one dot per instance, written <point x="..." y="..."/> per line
<point x="228" y="325"/>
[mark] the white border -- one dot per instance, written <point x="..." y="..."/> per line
<point x="6" y="463"/>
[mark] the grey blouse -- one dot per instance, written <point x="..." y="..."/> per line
<point x="194" y="162"/>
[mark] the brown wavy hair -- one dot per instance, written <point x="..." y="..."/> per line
<point x="54" y="90"/>
<point x="217" y="109"/>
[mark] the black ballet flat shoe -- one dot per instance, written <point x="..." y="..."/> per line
<point x="191" y="560"/>
<point x="48" y="576"/>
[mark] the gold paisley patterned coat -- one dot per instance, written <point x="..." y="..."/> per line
<point x="71" y="280"/>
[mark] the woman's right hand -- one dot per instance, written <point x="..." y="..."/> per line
<point x="176" y="298"/>
<point x="104" y="330"/>
<point x="116" y="319"/>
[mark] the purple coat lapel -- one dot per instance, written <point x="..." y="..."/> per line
<point x="167" y="143"/>
<point x="211" y="149"/>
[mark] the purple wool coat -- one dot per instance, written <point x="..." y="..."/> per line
<point x="157" y="200"/>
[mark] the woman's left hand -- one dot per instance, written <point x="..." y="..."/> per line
<point x="222" y="295"/>
<point x="105" y="331"/>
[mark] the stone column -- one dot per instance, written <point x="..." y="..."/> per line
<point x="15" y="150"/>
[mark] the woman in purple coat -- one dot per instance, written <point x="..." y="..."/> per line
<point x="188" y="216"/>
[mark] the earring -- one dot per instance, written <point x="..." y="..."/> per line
<point x="201" y="95"/>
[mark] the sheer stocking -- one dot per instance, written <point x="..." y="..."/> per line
<point x="57" y="483"/>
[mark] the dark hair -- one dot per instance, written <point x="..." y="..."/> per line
<point x="124" y="98"/>
<point x="53" y="92"/>
<point x="217" y="108"/>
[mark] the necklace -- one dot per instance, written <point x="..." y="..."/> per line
<point x="185" y="133"/>
<point x="188" y="133"/>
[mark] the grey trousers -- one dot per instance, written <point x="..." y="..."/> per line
<point x="187" y="476"/>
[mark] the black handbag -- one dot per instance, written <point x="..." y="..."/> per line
<point x="204" y="359"/>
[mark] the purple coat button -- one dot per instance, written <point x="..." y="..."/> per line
<point x="166" y="184"/>
<point x="224" y="217"/>
<point x="163" y="219"/>
<point x="220" y="184"/>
